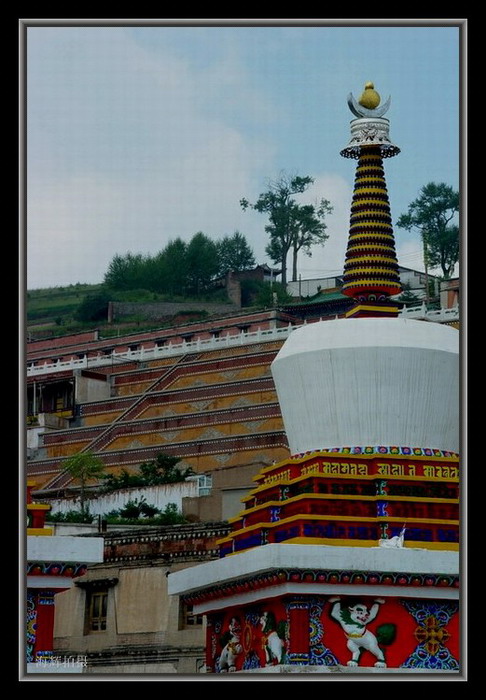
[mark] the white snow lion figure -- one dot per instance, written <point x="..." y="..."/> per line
<point x="232" y="648"/>
<point x="353" y="619"/>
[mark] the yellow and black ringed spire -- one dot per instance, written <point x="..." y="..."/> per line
<point x="371" y="268"/>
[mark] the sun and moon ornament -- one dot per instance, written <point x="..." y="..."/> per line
<point x="369" y="128"/>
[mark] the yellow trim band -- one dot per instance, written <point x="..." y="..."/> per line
<point x="383" y="203"/>
<point x="336" y="518"/>
<point x="372" y="283"/>
<point x="339" y="497"/>
<point x="371" y="258"/>
<point x="39" y="531"/>
<point x="350" y="455"/>
<point x="381" y="245"/>
<point x="370" y="190"/>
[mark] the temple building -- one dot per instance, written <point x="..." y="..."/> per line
<point x="53" y="562"/>
<point x="345" y="556"/>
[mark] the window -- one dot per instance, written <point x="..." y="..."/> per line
<point x="205" y="482"/>
<point x="188" y="618"/>
<point x="97" y="608"/>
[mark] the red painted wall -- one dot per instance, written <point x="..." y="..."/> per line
<point x="45" y="623"/>
<point x="413" y="633"/>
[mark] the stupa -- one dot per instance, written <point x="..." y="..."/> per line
<point x="345" y="557"/>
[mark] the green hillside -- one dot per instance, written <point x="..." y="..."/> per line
<point x="45" y="305"/>
<point x="53" y="311"/>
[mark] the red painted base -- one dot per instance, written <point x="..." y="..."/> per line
<point x="332" y="630"/>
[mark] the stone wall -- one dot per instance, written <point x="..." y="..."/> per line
<point x="161" y="310"/>
<point x="168" y="543"/>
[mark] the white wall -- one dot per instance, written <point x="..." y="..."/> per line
<point x="33" y="437"/>
<point x="370" y="381"/>
<point x="159" y="496"/>
<point x="90" y="389"/>
<point x="66" y="549"/>
<point x="308" y="556"/>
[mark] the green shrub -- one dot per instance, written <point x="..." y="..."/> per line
<point x="71" y="516"/>
<point x="161" y="470"/>
<point x="127" y="515"/>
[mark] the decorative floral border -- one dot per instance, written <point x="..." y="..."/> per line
<point x="274" y="578"/>
<point x="36" y="568"/>
<point x="382" y="450"/>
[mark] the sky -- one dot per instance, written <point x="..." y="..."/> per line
<point x="137" y="135"/>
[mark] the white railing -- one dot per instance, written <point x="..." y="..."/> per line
<point x="438" y="316"/>
<point x="169" y="350"/>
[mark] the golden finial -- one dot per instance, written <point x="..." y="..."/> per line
<point x="370" y="98"/>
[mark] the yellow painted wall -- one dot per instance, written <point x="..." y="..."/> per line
<point x="134" y="388"/>
<point x="196" y="378"/>
<point x="195" y="433"/>
<point x="209" y="378"/>
<point x="218" y="403"/>
<point x="38" y="480"/>
<point x="66" y="449"/>
<point x="162" y="363"/>
<point x="100" y="418"/>
<point x="207" y="463"/>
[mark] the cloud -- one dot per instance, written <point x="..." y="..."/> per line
<point x="136" y="155"/>
<point x="68" y="223"/>
<point x="139" y="135"/>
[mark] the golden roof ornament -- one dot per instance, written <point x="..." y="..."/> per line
<point x="369" y="99"/>
<point x="369" y="128"/>
<point x="368" y="103"/>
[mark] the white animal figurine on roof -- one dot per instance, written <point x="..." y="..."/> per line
<point x="396" y="541"/>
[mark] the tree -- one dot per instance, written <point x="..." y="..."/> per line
<point x="234" y="254"/>
<point x="174" y="263"/>
<point x="94" y="307"/>
<point x="163" y="470"/>
<point x="201" y="262"/>
<point x="311" y="230"/>
<point x="291" y="225"/>
<point x="263" y="295"/>
<point x="127" y="272"/>
<point x="83" y="467"/>
<point x="432" y="214"/>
